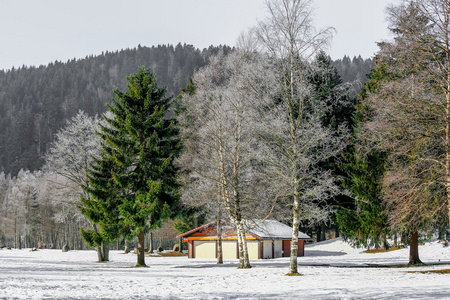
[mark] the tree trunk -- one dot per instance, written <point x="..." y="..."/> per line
<point x="244" y="262"/>
<point x="241" y="248"/>
<point x="447" y="144"/>
<point x="441" y="232"/>
<point x="127" y="246"/>
<point x="180" y="241"/>
<point x="414" y="249"/>
<point x="385" y="243"/>
<point x="323" y="230"/>
<point x="293" y="271"/>
<point x="15" y="233"/>
<point x="244" y="240"/>
<point x="103" y="252"/>
<point x="219" y="241"/>
<point x="318" y="234"/>
<point x="150" y="242"/>
<point x="140" y="250"/>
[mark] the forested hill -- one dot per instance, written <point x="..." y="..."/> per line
<point x="354" y="70"/>
<point x="35" y="102"/>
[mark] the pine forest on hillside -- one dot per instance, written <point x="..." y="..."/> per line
<point x="35" y="102"/>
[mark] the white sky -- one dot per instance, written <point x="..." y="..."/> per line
<point x="35" y="32"/>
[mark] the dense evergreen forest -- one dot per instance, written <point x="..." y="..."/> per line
<point x="35" y="102"/>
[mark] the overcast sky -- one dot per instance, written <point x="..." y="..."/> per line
<point x="35" y="32"/>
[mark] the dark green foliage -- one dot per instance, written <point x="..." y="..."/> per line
<point x="102" y="205"/>
<point x="334" y="98"/>
<point x="329" y="92"/>
<point x="363" y="218"/>
<point x="378" y="74"/>
<point x="35" y="102"/>
<point x="146" y="143"/>
<point x="92" y="238"/>
<point x="134" y="184"/>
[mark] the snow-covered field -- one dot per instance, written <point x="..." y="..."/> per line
<point x="331" y="270"/>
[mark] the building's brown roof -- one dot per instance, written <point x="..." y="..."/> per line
<point x="201" y="228"/>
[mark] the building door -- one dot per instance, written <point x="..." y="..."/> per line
<point x="205" y="249"/>
<point x="253" y="249"/>
<point x="229" y="249"/>
<point x="268" y="251"/>
<point x="286" y="248"/>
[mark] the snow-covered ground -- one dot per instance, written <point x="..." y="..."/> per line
<point x="331" y="270"/>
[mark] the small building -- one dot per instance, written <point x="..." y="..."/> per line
<point x="265" y="239"/>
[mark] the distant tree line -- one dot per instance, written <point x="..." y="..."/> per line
<point x="35" y="102"/>
<point x="354" y="70"/>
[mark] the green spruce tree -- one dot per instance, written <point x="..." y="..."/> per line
<point x="140" y="142"/>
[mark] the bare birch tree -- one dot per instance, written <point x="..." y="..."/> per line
<point x="219" y="143"/>
<point x="290" y="128"/>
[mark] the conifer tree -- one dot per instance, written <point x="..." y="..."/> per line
<point x="101" y="208"/>
<point x="409" y="118"/>
<point x="363" y="218"/>
<point x="140" y="142"/>
<point x="330" y="93"/>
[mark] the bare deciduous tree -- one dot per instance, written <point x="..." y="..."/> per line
<point x="219" y="144"/>
<point x="411" y="116"/>
<point x="295" y="142"/>
<point x="68" y="162"/>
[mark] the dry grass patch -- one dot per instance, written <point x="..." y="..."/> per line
<point x="445" y="271"/>
<point x="172" y="253"/>
<point x="382" y="250"/>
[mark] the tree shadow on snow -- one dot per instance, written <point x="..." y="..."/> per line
<point x="311" y="253"/>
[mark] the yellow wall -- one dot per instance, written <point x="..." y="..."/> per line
<point x="229" y="249"/>
<point x="205" y="249"/>
<point x="253" y="249"/>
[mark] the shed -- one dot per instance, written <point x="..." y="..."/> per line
<point x="265" y="239"/>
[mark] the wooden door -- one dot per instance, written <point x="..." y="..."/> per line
<point x="286" y="248"/>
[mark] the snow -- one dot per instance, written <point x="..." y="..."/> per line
<point x="330" y="269"/>
<point x="272" y="229"/>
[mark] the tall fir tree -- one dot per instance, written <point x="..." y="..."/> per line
<point x="141" y="142"/>
<point x="363" y="219"/>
